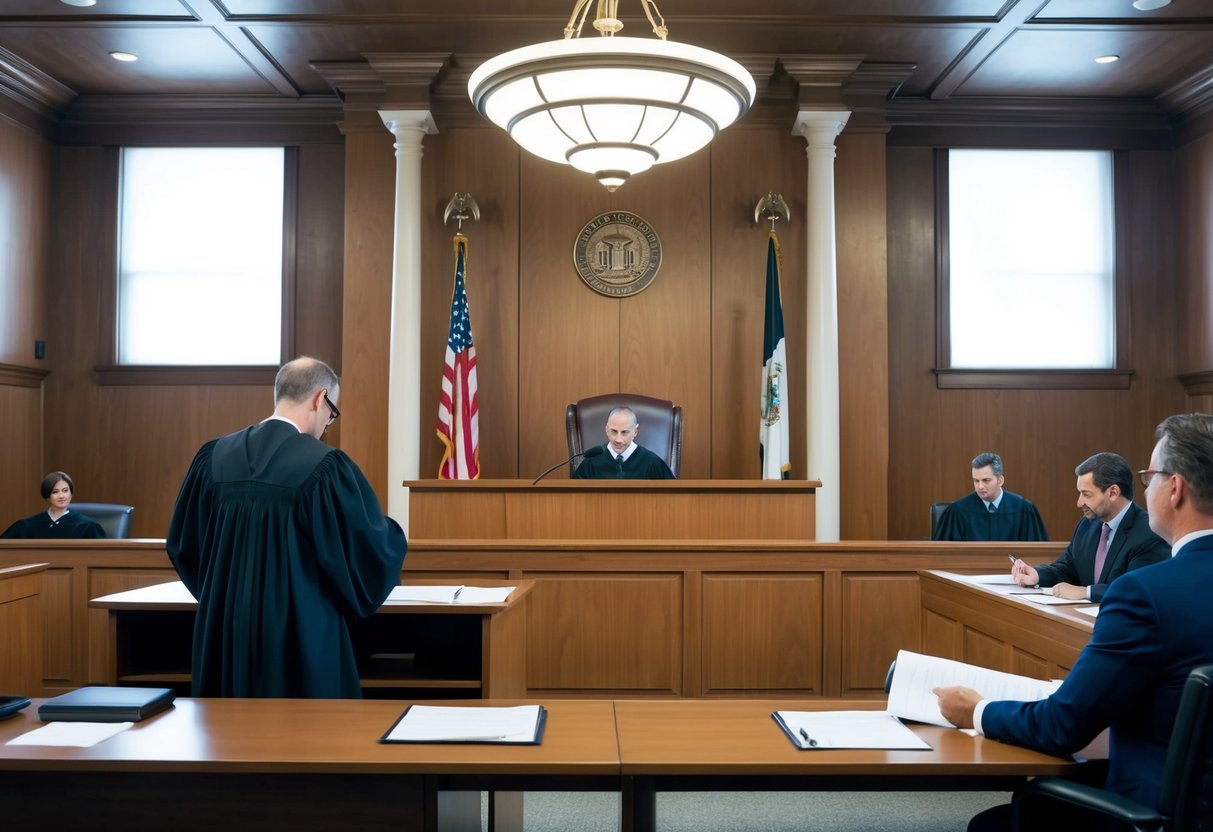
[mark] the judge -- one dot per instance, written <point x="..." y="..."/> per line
<point x="58" y="522"/>
<point x="282" y="541"/>
<point x="624" y="459"/>
<point x="990" y="512"/>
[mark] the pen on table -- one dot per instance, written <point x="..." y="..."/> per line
<point x="1012" y="558"/>
<point x="811" y="742"/>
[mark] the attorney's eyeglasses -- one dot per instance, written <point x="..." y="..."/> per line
<point x="1147" y="476"/>
<point x="334" y="413"/>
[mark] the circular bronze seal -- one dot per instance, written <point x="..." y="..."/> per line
<point x="617" y="254"/>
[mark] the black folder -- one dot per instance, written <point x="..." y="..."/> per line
<point x="104" y="704"/>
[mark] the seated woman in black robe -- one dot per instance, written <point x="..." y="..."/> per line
<point x="57" y="521"/>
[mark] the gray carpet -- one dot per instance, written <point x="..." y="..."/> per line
<point x="766" y="811"/>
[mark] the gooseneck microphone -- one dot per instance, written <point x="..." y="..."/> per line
<point x="597" y="450"/>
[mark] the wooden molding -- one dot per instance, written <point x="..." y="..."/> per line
<point x="1026" y="379"/>
<point x="1197" y="384"/>
<point x="13" y="376"/>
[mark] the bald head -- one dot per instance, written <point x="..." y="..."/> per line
<point x="303" y="391"/>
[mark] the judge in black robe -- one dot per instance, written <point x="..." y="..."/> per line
<point x="624" y="459"/>
<point x="969" y="519"/>
<point x="57" y="522"/>
<point x="282" y="541"/>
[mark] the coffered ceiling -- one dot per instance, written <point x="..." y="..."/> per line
<point x="56" y="55"/>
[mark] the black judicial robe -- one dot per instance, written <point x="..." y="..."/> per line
<point x="68" y="527"/>
<point x="282" y="541"/>
<point x="969" y="519"/>
<point x="643" y="464"/>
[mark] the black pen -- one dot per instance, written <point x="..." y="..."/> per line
<point x="811" y="742"/>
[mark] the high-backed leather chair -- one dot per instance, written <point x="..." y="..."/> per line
<point x="937" y="512"/>
<point x="1186" y="797"/>
<point x="660" y="425"/>
<point x="113" y="517"/>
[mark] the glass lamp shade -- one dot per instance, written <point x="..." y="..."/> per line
<point x="611" y="106"/>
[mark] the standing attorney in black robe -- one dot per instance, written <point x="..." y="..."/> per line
<point x="282" y="541"/>
<point x="990" y="513"/>
<point x="624" y="459"/>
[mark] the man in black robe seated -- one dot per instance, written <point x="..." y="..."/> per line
<point x="624" y="459"/>
<point x="1112" y="538"/>
<point x="282" y="541"/>
<point x="990" y="513"/>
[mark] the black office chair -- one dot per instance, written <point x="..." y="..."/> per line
<point x="936" y="513"/>
<point x="1185" y="803"/>
<point x="660" y="423"/>
<point x="113" y="517"/>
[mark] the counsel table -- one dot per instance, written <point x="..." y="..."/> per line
<point x="735" y="745"/>
<point x="237" y="764"/>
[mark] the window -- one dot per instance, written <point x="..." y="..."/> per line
<point x="1027" y="241"/>
<point x="200" y="274"/>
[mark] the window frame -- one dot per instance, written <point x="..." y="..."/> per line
<point x="109" y="371"/>
<point x="948" y="377"/>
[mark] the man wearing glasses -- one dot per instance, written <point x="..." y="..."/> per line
<point x="282" y="541"/>
<point x="1153" y="629"/>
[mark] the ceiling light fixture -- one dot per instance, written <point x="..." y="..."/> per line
<point x="1150" y="5"/>
<point x="124" y="56"/>
<point x="611" y="106"/>
<point x="1107" y="59"/>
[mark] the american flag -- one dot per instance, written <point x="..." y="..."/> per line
<point x="458" y="407"/>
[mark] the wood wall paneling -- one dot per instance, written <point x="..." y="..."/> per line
<point x="618" y="632"/>
<point x="746" y="165"/>
<point x="62" y="622"/>
<point x="25" y="230"/>
<point x="483" y="162"/>
<point x="319" y="259"/>
<point x="863" y="334"/>
<point x="366" y="310"/>
<point x="21" y="622"/>
<point x="1041" y="434"/>
<point x="984" y="650"/>
<point x="1195" y="176"/>
<point x="22" y="471"/>
<point x="778" y="650"/>
<point x="867" y="651"/>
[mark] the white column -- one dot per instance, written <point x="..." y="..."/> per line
<point x="820" y="129"/>
<point x="410" y="128"/>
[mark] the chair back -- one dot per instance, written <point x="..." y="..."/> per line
<point x="1186" y="797"/>
<point x="936" y="513"/>
<point x="660" y="425"/>
<point x="113" y="517"/>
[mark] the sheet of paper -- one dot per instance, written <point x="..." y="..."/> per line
<point x="453" y="723"/>
<point x="910" y="696"/>
<point x="1091" y="611"/>
<point x="1001" y="578"/>
<point x="449" y="594"/>
<point x="71" y="734"/>
<point x="1053" y="599"/>
<point x="849" y="729"/>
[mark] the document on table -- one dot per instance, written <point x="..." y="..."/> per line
<point x="1091" y="611"/>
<point x="847" y="729"/>
<point x="910" y="694"/>
<point x="73" y="734"/>
<point x="1000" y="578"/>
<point x="519" y="725"/>
<point x="449" y="594"/>
<point x="1054" y="599"/>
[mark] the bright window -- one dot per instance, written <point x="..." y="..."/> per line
<point x="1031" y="274"/>
<point x="200" y="256"/>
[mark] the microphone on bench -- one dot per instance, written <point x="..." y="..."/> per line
<point x="597" y="450"/>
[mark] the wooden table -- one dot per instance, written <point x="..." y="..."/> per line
<point x="256" y="764"/>
<point x="472" y="648"/>
<point x="981" y="626"/>
<point x="735" y="745"/>
<point x="236" y="764"/>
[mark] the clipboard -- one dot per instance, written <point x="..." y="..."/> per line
<point x="441" y="725"/>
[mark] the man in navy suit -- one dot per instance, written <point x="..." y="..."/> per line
<point x="1153" y="628"/>
<point x="1112" y="537"/>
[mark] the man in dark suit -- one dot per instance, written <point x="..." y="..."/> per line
<point x="1153" y="628"/>
<point x="990" y="512"/>
<point x="1112" y="537"/>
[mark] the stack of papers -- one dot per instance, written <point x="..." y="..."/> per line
<point x="916" y="675"/>
<point x="449" y="594"/>
<point x="847" y="729"/>
<point x="519" y="725"/>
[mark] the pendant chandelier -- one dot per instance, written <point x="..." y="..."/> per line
<point x="611" y="106"/>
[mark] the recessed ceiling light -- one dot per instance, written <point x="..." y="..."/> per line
<point x="81" y="3"/>
<point x="1140" y="5"/>
<point x="1107" y="59"/>
<point x="124" y="56"/>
